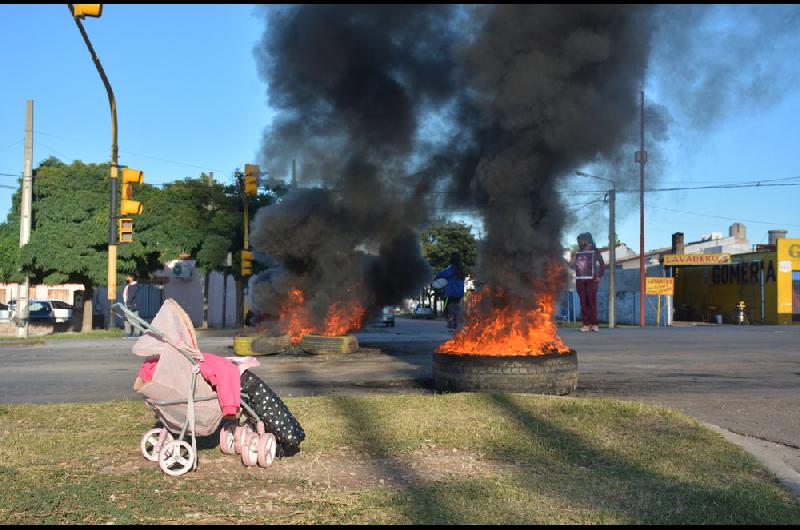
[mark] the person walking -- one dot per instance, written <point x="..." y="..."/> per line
<point x="454" y="290"/>
<point x="589" y="270"/>
<point x="130" y="297"/>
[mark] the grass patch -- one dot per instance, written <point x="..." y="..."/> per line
<point x="409" y="459"/>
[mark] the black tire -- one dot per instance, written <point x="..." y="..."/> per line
<point x="555" y="374"/>
<point x="274" y="413"/>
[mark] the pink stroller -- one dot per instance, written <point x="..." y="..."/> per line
<point x="185" y="403"/>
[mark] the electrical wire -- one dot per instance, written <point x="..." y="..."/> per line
<point x="720" y="217"/>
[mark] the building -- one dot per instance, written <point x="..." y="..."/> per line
<point x="767" y="281"/>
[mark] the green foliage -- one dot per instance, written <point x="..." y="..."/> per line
<point x="69" y="239"/>
<point x="446" y="237"/>
<point x="70" y="219"/>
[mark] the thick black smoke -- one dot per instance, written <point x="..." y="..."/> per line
<point x="551" y="89"/>
<point x="384" y="104"/>
<point x="351" y="86"/>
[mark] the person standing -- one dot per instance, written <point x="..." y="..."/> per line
<point x="130" y="297"/>
<point x="454" y="290"/>
<point x="589" y="270"/>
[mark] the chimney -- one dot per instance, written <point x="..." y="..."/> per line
<point x="738" y="231"/>
<point x="775" y="235"/>
<point x="677" y="243"/>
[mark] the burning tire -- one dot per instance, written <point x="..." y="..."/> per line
<point x="321" y="345"/>
<point x="275" y="415"/>
<point x="271" y="345"/>
<point x="555" y="374"/>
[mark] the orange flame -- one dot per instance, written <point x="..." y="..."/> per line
<point x="297" y="322"/>
<point x="294" y="316"/>
<point x="342" y="318"/>
<point x="506" y="331"/>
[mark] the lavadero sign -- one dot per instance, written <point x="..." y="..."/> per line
<point x="743" y="273"/>
<point x="696" y="259"/>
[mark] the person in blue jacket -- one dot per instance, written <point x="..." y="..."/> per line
<point x="454" y="291"/>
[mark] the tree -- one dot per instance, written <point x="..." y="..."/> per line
<point x="445" y="237"/>
<point x="69" y="236"/>
<point x="441" y="240"/>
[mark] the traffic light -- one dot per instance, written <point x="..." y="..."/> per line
<point x="251" y="174"/>
<point x="125" y="230"/>
<point x="87" y="10"/>
<point x="128" y="206"/>
<point x="247" y="263"/>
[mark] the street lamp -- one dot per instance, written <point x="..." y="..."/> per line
<point x="78" y="11"/>
<point x="612" y="249"/>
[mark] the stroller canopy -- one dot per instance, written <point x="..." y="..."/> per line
<point x="176" y="326"/>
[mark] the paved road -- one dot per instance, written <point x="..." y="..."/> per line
<point x="744" y="379"/>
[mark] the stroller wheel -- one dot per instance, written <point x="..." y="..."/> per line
<point x="152" y="442"/>
<point x="266" y="447"/>
<point x="239" y="436"/>
<point x="250" y="449"/>
<point x="227" y="436"/>
<point x="176" y="458"/>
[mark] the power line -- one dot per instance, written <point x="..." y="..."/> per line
<point x="134" y="154"/>
<point x="11" y="145"/>
<point x="721" y="217"/>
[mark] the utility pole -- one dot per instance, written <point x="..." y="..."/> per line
<point x="612" y="261"/>
<point x="641" y="158"/>
<point x="26" y="211"/>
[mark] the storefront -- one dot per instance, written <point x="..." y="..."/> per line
<point x="767" y="282"/>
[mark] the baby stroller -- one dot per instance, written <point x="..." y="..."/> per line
<point x="187" y="404"/>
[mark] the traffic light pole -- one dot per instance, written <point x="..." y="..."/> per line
<point x="246" y="219"/>
<point x="112" y="228"/>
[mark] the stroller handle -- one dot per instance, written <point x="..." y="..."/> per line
<point x="136" y="321"/>
<point x="145" y="327"/>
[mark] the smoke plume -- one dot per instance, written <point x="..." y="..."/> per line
<point x="552" y="88"/>
<point x="351" y="87"/>
<point x="383" y="105"/>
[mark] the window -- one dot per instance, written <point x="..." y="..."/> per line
<point x="58" y="294"/>
<point x="795" y="296"/>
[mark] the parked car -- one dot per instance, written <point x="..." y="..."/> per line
<point x="54" y="311"/>
<point x="5" y="313"/>
<point x="61" y="310"/>
<point x="422" y="311"/>
<point x="389" y="311"/>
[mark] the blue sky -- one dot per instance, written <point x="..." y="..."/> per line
<point x="190" y="100"/>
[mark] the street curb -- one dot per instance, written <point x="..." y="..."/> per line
<point x="768" y="453"/>
<point x="12" y="344"/>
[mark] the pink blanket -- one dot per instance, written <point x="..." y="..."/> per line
<point x="222" y="374"/>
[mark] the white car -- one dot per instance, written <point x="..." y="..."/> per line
<point x="422" y="311"/>
<point x="42" y="311"/>
<point x="387" y="317"/>
<point x="62" y="311"/>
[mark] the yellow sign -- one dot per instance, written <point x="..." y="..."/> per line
<point x="660" y="286"/>
<point x="697" y="259"/>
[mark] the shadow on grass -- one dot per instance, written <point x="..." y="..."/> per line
<point x="419" y="506"/>
<point x="601" y="479"/>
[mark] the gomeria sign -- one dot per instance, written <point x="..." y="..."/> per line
<point x="697" y="259"/>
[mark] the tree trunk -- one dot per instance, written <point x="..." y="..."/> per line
<point x="88" y="293"/>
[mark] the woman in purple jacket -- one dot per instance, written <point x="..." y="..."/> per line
<point x="589" y="270"/>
